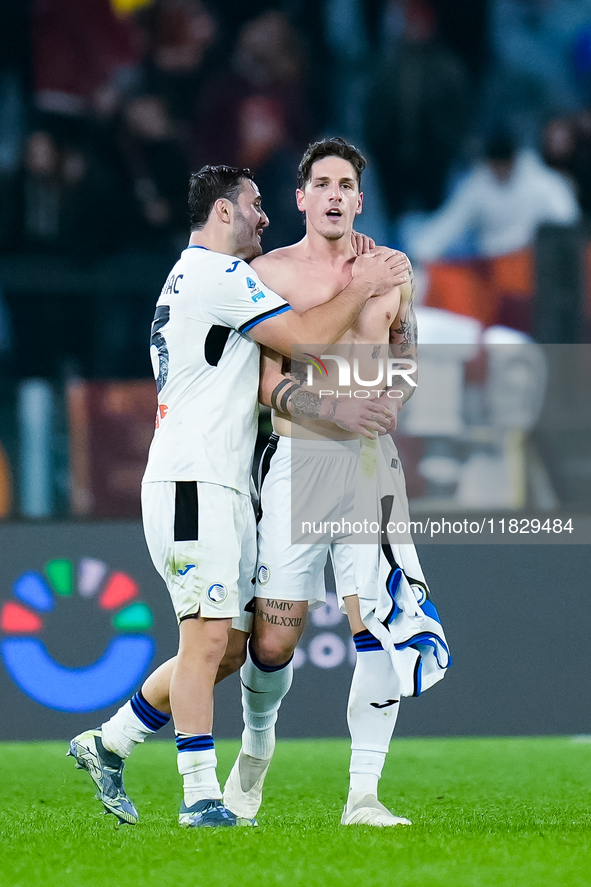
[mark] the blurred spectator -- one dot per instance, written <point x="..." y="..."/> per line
<point x="179" y="35"/>
<point x="85" y="58"/>
<point x="267" y="62"/>
<point x="157" y="168"/>
<point x="503" y="200"/>
<point x="83" y="53"/>
<point x="255" y="115"/>
<point x="417" y="112"/>
<point x="567" y="148"/>
<point x="67" y="194"/>
<point x="266" y="150"/>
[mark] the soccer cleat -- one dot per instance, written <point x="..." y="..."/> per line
<point x="243" y="792"/>
<point x="367" y="810"/>
<point x="105" y="768"/>
<point x="210" y="814"/>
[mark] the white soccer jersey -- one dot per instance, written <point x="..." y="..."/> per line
<point x="207" y="369"/>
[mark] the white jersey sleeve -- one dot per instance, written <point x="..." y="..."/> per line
<point x="239" y="299"/>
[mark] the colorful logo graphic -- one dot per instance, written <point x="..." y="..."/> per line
<point x="315" y="363"/>
<point x="117" y="671"/>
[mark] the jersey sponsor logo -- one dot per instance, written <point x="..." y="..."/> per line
<point x="256" y="292"/>
<point x="186" y="570"/>
<point x="263" y="574"/>
<point x="232" y="267"/>
<point x="394" y="463"/>
<point x="217" y="593"/>
<point x="171" y="284"/>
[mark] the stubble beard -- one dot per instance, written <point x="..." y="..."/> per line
<point x="247" y="246"/>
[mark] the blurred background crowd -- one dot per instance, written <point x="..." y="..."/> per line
<point x="475" y="116"/>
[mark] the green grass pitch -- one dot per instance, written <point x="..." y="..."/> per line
<point x="486" y="813"/>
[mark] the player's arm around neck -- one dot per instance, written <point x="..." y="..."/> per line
<point x="373" y="274"/>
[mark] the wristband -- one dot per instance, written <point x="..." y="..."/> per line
<point x="287" y="394"/>
<point x="276" y="391"/>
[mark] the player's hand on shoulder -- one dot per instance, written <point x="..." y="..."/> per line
<point x="382" y="269"/>
<point x="369" y="417"/>
<point x="362" y="243"/>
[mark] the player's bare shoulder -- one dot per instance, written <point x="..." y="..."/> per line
<point x="276" y="269"/>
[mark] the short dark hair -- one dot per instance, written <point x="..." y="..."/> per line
<point x="210" y="184"/>
<point x="333" y="147"/>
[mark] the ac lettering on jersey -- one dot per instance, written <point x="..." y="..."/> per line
<point x="171" y="284"/>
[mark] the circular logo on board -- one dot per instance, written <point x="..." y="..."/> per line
<point x="46" y="680"/>
<point x="263" y="574"/>
<point x="217" y="593"/>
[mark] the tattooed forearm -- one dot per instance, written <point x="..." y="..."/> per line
<point x="304" y="403"/>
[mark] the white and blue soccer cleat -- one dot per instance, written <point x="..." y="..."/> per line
<point x="243" y="792"/>
<point x="367" y="810"/>
<point x="105" y="768"/>
<point x="210" y="813"/>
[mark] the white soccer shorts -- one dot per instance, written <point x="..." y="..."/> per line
<point x="202" y="540"/>
<point x="295" y="572"/>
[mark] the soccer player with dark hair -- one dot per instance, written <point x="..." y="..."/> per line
<point x="290" y="577"/>
<point x="211" y="316"/>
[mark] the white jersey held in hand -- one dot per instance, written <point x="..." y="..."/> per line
<point x="207" y="369"/>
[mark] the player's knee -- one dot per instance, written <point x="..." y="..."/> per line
<point x="273" y="649"/>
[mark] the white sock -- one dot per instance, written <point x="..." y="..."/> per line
<point x="262" y="692"/>
<point x="374" y="701"/>
<point x="132" y="724"/>
<point x="198" y="768"/>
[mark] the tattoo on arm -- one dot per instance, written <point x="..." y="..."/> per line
<point x="404" y="338"/>
<point x="406" y="334"/>
<point x="332" y="411"/>
<point x="298" y="370"/>
<point x="304" y="403"/>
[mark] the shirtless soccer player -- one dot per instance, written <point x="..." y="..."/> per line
<point x="212" y="314"/>
<point x="290" y="578"/>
